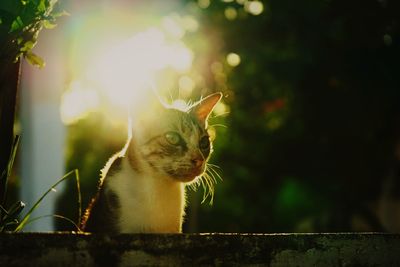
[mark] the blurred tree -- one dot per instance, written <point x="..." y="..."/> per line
<point x="314" y="114"/>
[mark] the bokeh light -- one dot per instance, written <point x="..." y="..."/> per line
<point x="233" y="59"/>
<point x="230" y="13"/>
<point x="203" y="3"/>
<point x="254" y="7"/>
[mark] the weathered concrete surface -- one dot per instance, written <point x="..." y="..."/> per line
<point x="66" y="249"/>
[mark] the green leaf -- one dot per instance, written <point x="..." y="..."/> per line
<point x="60" y="14"/>
<point x="16" y="209"/>
<point x="18" y="56"/>
<point x="51" y="3"/>
<point x="17" y="24"/>
<point x="41" y="8"/>
<point x="3" y="210"/>
<point x="28" y="46"/>
<point x="34" y="59"/>
<point x="49" y="25"/>
<point x="13" y="222"/>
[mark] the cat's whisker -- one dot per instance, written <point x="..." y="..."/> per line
<point x="213" y="165"/>
<point x="210" y="188"/>
<point x="207" y="194"/>
<point x="195" y="184"/>
<point x="212" y="181"/>
<point x="211" y="176"/>
<point x="204" y="189"/>
<point x="217" y="174"/>
<point x="208" y="181"/>
<point x="205" y="184"/>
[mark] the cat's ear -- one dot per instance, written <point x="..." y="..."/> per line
<point x="204" y="107"/>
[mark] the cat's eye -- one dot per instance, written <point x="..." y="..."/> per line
<point x="173" y="138"/>
<point x="204" y="143"/>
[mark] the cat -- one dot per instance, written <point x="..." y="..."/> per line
<point x="142" y="188"/>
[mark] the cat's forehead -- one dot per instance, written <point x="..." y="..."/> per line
<point x="186" y="123"/>
<point x="170" y="119"/>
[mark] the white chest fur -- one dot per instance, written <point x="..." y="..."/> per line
<point x="147" y="204"/>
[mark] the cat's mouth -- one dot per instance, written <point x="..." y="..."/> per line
<point x="185" y="174"/>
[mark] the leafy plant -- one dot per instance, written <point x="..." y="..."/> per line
<point x="9" y="218"/>
<point x="25" y="220"/>
<point x="20" y="24"/>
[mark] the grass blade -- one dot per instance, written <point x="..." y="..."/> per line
<point x="78" y="188"/>
<point x="28" y="214"/>
<point x="57" y="217"/>
<point x="6" y="173"/>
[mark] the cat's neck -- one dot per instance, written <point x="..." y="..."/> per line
<point x="147" y="202"/>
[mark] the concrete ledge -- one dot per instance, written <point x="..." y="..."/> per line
<point x="66" y="249"/>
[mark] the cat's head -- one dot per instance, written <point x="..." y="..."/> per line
<point x="175" y="143"/>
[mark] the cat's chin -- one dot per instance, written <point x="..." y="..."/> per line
<point x="185" y="179"/>
<point x="187" y="176"/>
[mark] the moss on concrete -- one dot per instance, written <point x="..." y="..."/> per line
<point x="66" y="249"/>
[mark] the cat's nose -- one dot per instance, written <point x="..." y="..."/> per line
<point x="197" y="162"/>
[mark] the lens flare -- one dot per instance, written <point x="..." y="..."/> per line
<point x="125" y="72"/>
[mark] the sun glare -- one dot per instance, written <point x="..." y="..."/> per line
<point x="77" y="102"/>
<point x="180" y="105"/>
<point x="125" y="72"/>
<point x="128" y="70"/>
<point x="186" y="86"/>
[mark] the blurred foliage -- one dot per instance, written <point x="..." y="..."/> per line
<point x="20" y="24"/>
<point x="314" y="115"/>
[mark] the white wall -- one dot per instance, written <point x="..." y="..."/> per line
<point x="42" y="143"/>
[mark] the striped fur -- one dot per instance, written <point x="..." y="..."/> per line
<point x="142" y="188"/>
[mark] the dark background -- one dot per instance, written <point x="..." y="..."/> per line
<point x="313" y="136"/>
